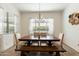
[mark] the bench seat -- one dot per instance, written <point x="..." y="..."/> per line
<point x="40" y="49"/>
<point x="25" y="48"/>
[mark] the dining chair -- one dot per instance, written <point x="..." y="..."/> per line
<point x="34" y="43"/>
<point x="43" y="43"/>
<point x="59" y="43"/>
<point x="39" y="35"/>
<point x="16" y="41"/>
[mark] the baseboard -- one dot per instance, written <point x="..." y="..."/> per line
<point x="71" y="47"/>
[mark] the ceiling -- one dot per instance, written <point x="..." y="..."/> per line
<point x="43" y="6"/>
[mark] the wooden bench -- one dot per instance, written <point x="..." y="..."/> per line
<point x="40" y="49"/>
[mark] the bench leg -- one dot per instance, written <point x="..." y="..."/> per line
<point x="22" y="53"/>
<point x="57" y="53"/>
<point x="50" y="52"/>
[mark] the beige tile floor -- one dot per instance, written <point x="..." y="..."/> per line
<point x="11" y="52"/>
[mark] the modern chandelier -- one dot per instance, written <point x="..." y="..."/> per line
<point x="39" y="13"/>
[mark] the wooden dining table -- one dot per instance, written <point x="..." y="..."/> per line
<point x="29" y="48"/>
<point x="30" y="38"/>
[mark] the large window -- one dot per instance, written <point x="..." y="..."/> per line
<point x="8" y="22"/>
<point x="13" y="24"/>
<point x="43" y="25"/>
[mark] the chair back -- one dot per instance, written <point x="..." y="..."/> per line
<point x="41" y="34"/>
<point x="16" y="37"/>
<point x="61" y="37"/>
<point x="15" y="40"/>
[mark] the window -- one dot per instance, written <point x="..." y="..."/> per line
<point x="12" y="24"/>
<point x="9" y="23"/>
<point x="43" y="25"/>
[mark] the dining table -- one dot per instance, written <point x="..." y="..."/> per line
<point x="31" y="38"/>
<point x="29" y="48"/>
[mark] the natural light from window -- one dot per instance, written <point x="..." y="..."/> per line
<point x="42" y="25"/>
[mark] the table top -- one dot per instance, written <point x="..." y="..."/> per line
<point x="32" y="38"/>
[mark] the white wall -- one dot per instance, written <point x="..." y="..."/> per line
<point x="6" y="40"/>
<point x="71" y="31"/>
<point x="57" y="16"/>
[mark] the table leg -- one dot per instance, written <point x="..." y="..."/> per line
<point x="49" y="43"/>
<point x="57" y="53"/>
<point x="29" y="43"/>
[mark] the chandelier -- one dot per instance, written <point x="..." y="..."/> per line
<point x="39" y="13"/>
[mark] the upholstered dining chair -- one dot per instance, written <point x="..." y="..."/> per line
<point x="38" y="35"/>
<point x="60" y="43"/>
<point x="16" y="41"/>
<point x="43" y="43"/>
<point x="35" y="43"/>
